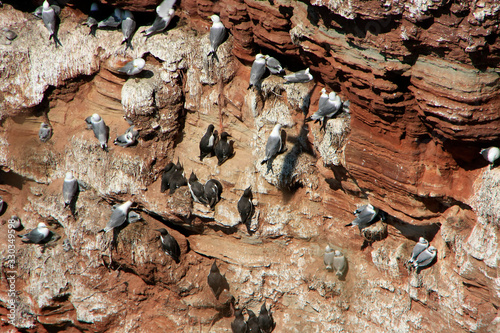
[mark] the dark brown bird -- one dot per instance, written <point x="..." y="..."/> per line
<point x="170" y="245"/>
<point x="239" y="325"/>
<point x="223" y="149"/>
<point x="252" y="323"/>
<point x="215" y="280"/>
<point x="245" y="208"/>
<point x="266" y="321"/>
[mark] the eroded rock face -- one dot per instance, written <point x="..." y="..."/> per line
<point x="421" y="80"/>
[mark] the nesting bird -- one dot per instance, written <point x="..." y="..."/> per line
<point x="273" y="65"/>
<point x="302" y="76"/>
<point x="274" y="145"/>
<point x="101" y="131"/>
<point x="161" y="22"/>
<point x="133" y="67"/>
<point x="257" y="71"/>
<point x="15" y="222"/>
<point x="118" y="216"/>
<point x="170" y="245"/>
<point x="339" y="263"/>
<point x="128" y="28"/>
<point x="245" y="208"/>
<point x="167" y="173"/>
<point x="37" y="235"/>
<point x="328" y="257"/>
<point x="50" y="19"/>
<point x="127" y="139"/>
<point x="266" y="321"/>
<point x="223" y="149"/>
<point x="425" y="257"/>
<point x="418" y="248"/>
<point x="112" y="21"/>
<point x="70" y="188"/>
<point x="217" y="34"/>
<point x="239" y="325"/>
<point x="491" y="155"/>
<point x="197" y="189"/>
<point x="208" y="142"/>
<point x="213" y="191"/>
<point x="215" y="280"/>
<point x="45" y="132"/>
<point x="252" y="323"/>
<point x="177" y="178"/>
<point x="365" y="215"/>
<point x="327" y="108"/>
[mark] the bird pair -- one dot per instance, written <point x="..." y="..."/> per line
<point x="208" y="194"/>
<point x="211" y="145"/>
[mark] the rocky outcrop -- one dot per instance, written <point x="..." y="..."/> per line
<point x="424" y="96"/>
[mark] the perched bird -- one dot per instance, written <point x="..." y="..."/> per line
<point x="215" y="280"/>
<point x="160" y="23"/>
<point x="245" y="208"/>
<point x="365" y="215"/>
<point x="118" y="216"/>
<point x="339" y="263"/>
<point x="425" y="257"/>
<point x="112" y="21"/>
<point x="266" y="321"/>
<point x="36" y="235"/>
<point x="273" y="65"/>
<point x="15" y="222"/>
<point x="177" y="178"/>
<point x="101" y="131"/>
<point x="70" y="188"/>
<point x="127" y="139"/>
<point x="170" y="245"/>
<point x="45" y="132"/>
<point x="298" y="77"/>
<point x="133" y="67"/>
<point x="418" y="248"/>
<point x="92" y="18"/>
<point x="217" y="34"/>
<point x="167" y="173"/>
<point x="252" y="323"/>
<point x="207" y="142"/>
<point x="223" y="149"/>
<point x="197" y="189"/>
<point x="213" y="191"/>
<point x="257" y="71"/>
<point x="326" y="109"/>
<point x="274" y="144"/>
<point x="239" y="325"/>
<point x="328" y="257"/>
<point x="491" y="154"/>
<point x="50" y="19"/>
<point x="128" y="28"/>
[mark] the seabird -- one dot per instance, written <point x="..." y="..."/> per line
<point x="215" y="280"/>
<point x="217" y="34"/>
<point x="339" y="263"/>
<point x="197" y="189"/>
<point x="169" y="245"/>
<point x="273" y="65"/>
<point x="274" y="144"/>
<point x="70" y="188"/>
<point x="15" y="222"/>
<point x="365" y="215"/>
<point x="207" y="142"/>
<point x="328" y="257"/>
<point x="133" y="67"/>
<point x="326" y="108"/>
<point x="298" y="77"/>
<point x="245" y="208"/>
<point x="266" y="321"/>
<point x="127" y="139"/>
<point x="418" y="248"/>
<point x="128" y="28"/>
<point x="425" y="257"/>
<point x="118" y="216"/>
<point x="165" y="178"/>
<point x="36" y="235"/>
<point x="239" y="325"/>
<point x="45" y="132"/>
<point x="252" y="323"/>
<point x="223" y="149"/>
<point x="101" y="131"/>
<point x="177" y="178"/>
<point x="491" y="155"/>
<point x="213" y="191"/>
<point x="92" y="18"/>
<point x="257" y="71"/>
<point x="133" y="217"/>
<point x="49" y="18"/>
<point x="113" y="21"/>
<point x="161" y="22"/>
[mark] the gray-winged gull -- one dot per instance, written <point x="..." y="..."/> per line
<point x="49" y="18"/>
<point x="425" y="257"/>
<point x="257" y="71"/>
<point x="70" y="188"/>
<point x="217" y="34"/>
<point x="128" y="28"/>
<point x="328" y="258"/>
<point x="36" y="235"/>
<point x="45" y="132"/>
<point x="339" y="263"/>
<point x="118" y="216"/>
<point x="160" y="23"/>
<point x="421" y="245"/>
<point x="112" y="21"/>
<point x="101" y="131"/>
<point x="133" y="67"/>
<point x="127" y="139"/>
<point x="299" y="77"/>
<point x="273" y="65"/>
<point x="491" y="155"/>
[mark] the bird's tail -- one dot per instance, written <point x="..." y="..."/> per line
<point x="93" y="29"/>
<point x="102" y="230"/>
<point x="213" y="54"/>
<point x="263" y="161"/>
<point x="348" y="225"/>
<point x="338" y="273"/>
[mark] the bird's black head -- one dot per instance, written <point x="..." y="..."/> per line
<point x="238" y="313"/>
<point x="193" y="177"/>
<point x="210" y="128"/>
<point x="214" y="268"/>
<point x="162" y="231"/>
<point x="169" y="166"/>
<point x="224" y="135"/>
<point x="263" y="309"/>
<point x="251" y="314"/>
<point x="248" y="192"/>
